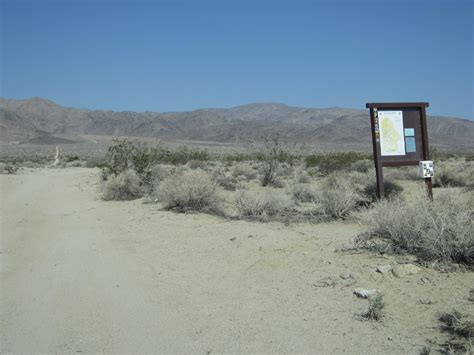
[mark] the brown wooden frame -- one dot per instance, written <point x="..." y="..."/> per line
<point x="425" y="152"/>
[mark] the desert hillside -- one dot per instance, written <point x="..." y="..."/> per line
<point x="38" y="120"/>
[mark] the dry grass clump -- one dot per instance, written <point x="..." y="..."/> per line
<point x="461" y="328"/>
<point x="192" y="190"/>
<point x="441" y="230"/>
<point x="264" y="204"/>
<point x="123" y="186"/>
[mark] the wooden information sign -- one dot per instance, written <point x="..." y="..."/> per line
<point x="399" y="137"/>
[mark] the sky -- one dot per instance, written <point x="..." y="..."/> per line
<point x="184" y="55"/>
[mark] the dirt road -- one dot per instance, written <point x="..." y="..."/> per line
<point x="80" y="275"/>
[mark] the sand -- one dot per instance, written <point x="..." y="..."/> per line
<point x="80" y="275"/>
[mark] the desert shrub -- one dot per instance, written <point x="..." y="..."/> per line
<point x="263" y="204"/>
<point x="441" y="230"/>
<point x="75" y="164"/>
<point x="447" y="178"/>
<point x="96" y="162"/>
<point x="330" y="162"/>
<point x="123" y="186"/>
<point x="231" y="158"/>
<point x="245" y="171"/>
<point x="70" y="158"/>
<point x="182" y="155"/>
<point x="8" y="168"/>
<point x="461" y="329"/>
<point x="192" y="190"/>
<point x="402" y="173"/>
<point x="375" y="309"/>
<point x="227" y="182"/>
<point x="339" y="196"/>
<point x="362" y="166"/>
<point x="303" y="193"/>
<point x="159" y="172"/>
<point x="126" y="154"/>
<point x="271" y="155"/>
<point x="301" y="176"/>
<point x="391" y="189"/>
<point x="197" y="164"/>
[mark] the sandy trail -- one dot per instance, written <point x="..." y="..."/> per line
<point x="82" y="275"/>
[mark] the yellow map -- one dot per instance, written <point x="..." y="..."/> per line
<point x="392" y="140"/>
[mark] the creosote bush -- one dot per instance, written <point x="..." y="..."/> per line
<point x="123" y="186"/>
<point x="271" y="156"/>
<point x="434" y="231"/>
<point x="192" y="190"/>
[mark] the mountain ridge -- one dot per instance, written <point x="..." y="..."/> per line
<point x="29" y="119"/>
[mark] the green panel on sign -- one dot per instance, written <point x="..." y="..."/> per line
<point x="410" y="144"/>
<point x="409" y="132"/>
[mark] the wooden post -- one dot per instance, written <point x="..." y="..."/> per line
<point x="426" y="150"/>
<point x="376" y="147"/>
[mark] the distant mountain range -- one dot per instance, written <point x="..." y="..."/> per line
<point x="37" y="120"/>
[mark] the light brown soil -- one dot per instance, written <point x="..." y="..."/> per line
<point x="82" y="275"/>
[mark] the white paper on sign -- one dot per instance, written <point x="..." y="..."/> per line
<point x="392" y="140"/>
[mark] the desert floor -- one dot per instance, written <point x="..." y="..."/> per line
<point x="81" y="275"/>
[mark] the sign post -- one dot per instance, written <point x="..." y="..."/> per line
<point x="400" y="138"/>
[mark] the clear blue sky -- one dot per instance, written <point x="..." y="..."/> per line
<point x="183" y="55"/>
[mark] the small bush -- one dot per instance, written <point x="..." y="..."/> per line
<point x="272" y="154"/>
<point x="70" y="158"/>
<point x="441" y="230"/>
<point x="193" y="190"/>
<point x="7" y="168"/>
<point x="263" y="204"/>
<point x="245" y="171"/>
<point x="445" y="177"/>
<point x="362" y="166"/>
<point x="75" y="164"/>
<point x="454" y="173"/>
<point x="227" y="182"/>
<point x="391" y="189"/>
<point x="461" y="329"/>
<point x="402" y="173"/>
<point x="375" y="310"/>
<point x="303" y="193"/>
<point x="330" y="162"/>
<point x="301" y="176"/>
<point x="124" y="186"/>
<point x="339" y="196"/>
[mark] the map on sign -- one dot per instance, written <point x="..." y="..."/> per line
<point x="392" y="140"/>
